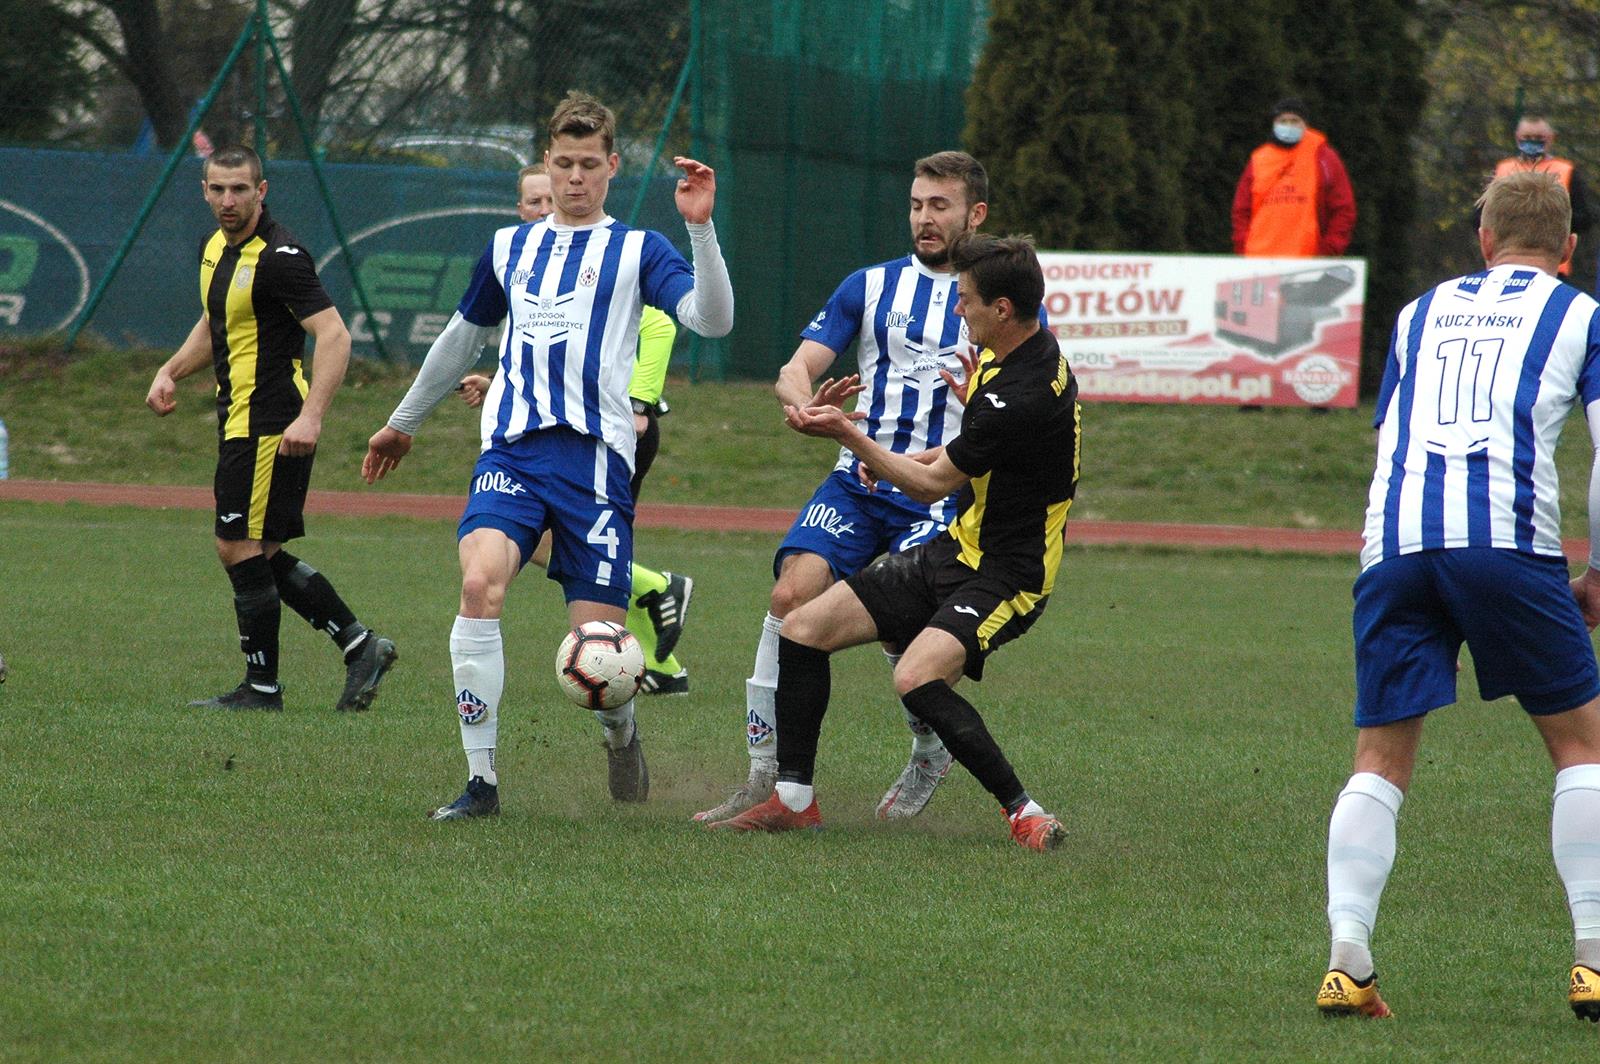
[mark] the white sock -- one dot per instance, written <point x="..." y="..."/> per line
<point x="1575" y="842"/>
<point x="1031" y="808"/>
<point x="477" y="660"/>
<point x="761" y="714"/>
<point x="618" y="724"/>
<point x="480" y="763"/>
<point x="1361" y="844"/>
<point x="796" y="797"/>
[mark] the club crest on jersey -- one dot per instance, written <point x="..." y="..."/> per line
<point x="758" y="730"/>
<point x="241" y="277"/>
<point x="472" y="708"/>
<point x="588" y="277"/>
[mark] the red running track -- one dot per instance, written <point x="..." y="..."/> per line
<point x="707" y="518"/>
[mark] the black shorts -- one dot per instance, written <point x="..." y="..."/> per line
<point x="928" y="587"/>
<point x="260" y="493"/>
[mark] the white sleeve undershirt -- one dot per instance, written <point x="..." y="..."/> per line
<point x="452" y="354"/>
<point x="1592" y="413"/>
<point x="708" y="307"/>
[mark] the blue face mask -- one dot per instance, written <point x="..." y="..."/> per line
<point x="1288" y="132"/>
<point x="1531" y="148"/>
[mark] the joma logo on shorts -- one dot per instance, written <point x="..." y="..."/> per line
<point x="827" y="519"/>
<point x="498" y="482"/>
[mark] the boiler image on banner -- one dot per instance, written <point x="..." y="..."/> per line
<point x="1274" y="312"/>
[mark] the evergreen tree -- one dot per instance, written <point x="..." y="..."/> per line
<point x="1241" y="69"/>
<point x="1155" y="84"/>
<point x="1043" y="117"/>
<point x="41" y="75"/>
<point x="1361" y="78"/>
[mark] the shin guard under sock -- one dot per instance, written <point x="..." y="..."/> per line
<point x="967" y="739"/>
<point x="307" y="592"/>
<point x="804" y="683"/>
<point x="256" y="606"/>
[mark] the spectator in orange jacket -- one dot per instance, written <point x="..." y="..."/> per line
<point x="1535" y="137"/>
<point x="1294" y="197"/>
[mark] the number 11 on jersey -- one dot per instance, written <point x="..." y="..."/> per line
<point x="1484" y="356"/>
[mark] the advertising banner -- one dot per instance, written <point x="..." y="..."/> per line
<point x="1208" y="328"/>
<point x="415" y="234"/>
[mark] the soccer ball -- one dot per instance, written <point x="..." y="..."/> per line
<point x="600" y="665"/>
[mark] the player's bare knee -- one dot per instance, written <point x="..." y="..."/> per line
<point x="789" y="595"/>
<point x="808" y="627"/>
<point x="481" y="595"/>
<point x="908" y="676"/>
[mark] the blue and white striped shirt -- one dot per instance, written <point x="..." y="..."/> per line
<point x="1482" y="372"/>
<point x="571" y="297"/>
<point x="902" y="314"/>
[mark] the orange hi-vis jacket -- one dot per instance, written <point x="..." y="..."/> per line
<point x="1294" y="201"/>
<point x="1561" y="168"/>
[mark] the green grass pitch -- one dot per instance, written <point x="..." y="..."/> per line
<point x="177" y="885"/>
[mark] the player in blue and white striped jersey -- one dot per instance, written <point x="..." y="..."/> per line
<point x="901" y="317"/>
<point x="558" y="435"/>
<point x="1463" y="544"/>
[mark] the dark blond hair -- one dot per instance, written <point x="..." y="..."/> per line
<point x="581" y="115"/>
<point x="1527" y="211"/>
<point x="957" y="164"/>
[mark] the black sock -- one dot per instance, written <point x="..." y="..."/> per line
<point x="965" y="736"/>
<point x="801" y="700"/>
<point x="309" y="594"/>
<point x="255" y="603"/>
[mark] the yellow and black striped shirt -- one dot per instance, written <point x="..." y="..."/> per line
<point x="255" y="294"/>
<point x="1019" y="443"/>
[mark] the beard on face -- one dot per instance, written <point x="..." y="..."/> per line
<point x="938" y="260"/>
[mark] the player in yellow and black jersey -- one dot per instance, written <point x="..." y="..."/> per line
<point x="259" y="297"/>
<point x="952" y="601"/>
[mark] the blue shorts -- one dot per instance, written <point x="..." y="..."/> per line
<point x="1514" y="610"/>
<point x="848" y="526"/>
<point x="573" y="485"/>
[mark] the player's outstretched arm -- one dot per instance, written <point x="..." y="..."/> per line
<point x="707" y="308"/>
<point x="452" y="354"/>
<point x="192" y="354"/>
<point x="922" y="481"/>
<point x="798" y="377"/>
